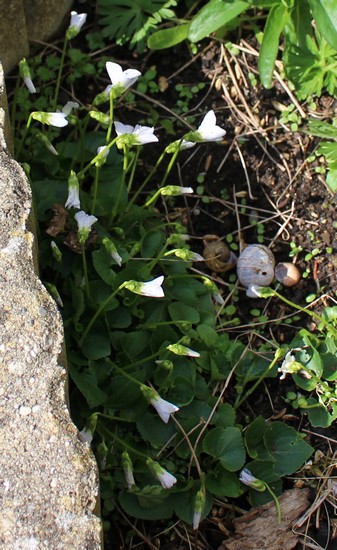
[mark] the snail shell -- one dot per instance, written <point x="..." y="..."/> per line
<point x="218" y="257"/>
<point x="287" y="273"/>
<point x="256" y="266"/>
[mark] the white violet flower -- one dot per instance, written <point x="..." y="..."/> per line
<point x="120" y="80"/>
<point x="207" y="131"/>
<point x="73" y="200"/>
<point x="246" y="477"/>
<point x="26" y="76"/>
<point x="69" y="106"/>
<point x="111" y="248"/>
<point x="52" y="119"/>
<point x="150" y="288"/>
<point x="84" y="222"/>
<point x="166" y="479"/>
<point x="289" y="365"/>
<point x="253" y="291"/>
<point x="128" y="470"/>
<point x="179" y="349"/>
<point x="138" y="135"/>
<point x="163" y="408"/>
<point x="172" y="190"/>
<point x="77" y="21"/>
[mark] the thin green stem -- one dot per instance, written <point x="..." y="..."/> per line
<point x="277" y="504"/>
<point x="114" y="210"/>
<point x="308" y="312"/>
<point x="59" y="76"/>
<point x="111" y="114"/>
<point x="111" y="417"/>
<point x="126" y="445"/>
<point x="133" y="170"/>
<point x="85" y="270"/>
<point x="95" y="186"/>
<point x="98" y="156"/>
<point x="98" y="313"/>
<point x="145" y="182"/>
<point x="239" y="402"/>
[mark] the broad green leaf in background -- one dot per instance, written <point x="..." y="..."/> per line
<point x="184" y="503"/>
<point x="222" y="483"/>
<point x="320" y="416"/>
<point x="322" y="129"/>
<point x="325" y="15"/>
<point x="149" y="503"/>
<point x="153" y="429"/>
<point x="276" y="21"/>
<point x="287" y="448"/>
<point x="213" y="16"/>
<point x="254" y="439"/>
<point x="97" y="343"/>
<point x="86" y="382"/>
<point x="167" y="38"/>
<point x="226" y="444"/>
<point x="133" y="20"/>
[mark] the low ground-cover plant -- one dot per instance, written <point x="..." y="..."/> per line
<point x="308" y="27"/>
<point x="158" y="386"/>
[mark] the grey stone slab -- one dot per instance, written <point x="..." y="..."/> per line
<point x="22" y="21"/>
<point x="48" y="475"/>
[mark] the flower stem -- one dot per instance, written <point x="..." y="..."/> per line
<point x="85" y="270"/>
<point x="58" y="81"/>
<point x="277" y="504"/>
<point x="141" y="187"/>
<point x="308" y="312"/>
<point x="95" y="186"/>
<point x="111" y="116"/>
<point x="100" y="155"/>
<point x="98" y="313"/>
<point x="239" y="402"/>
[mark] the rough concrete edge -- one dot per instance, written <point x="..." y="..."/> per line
<point x="6" y="139"/>
<point x="6" y="146"/>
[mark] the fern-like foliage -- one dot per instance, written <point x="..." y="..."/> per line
<point x="133" y="20"/>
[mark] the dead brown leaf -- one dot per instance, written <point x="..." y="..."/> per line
<point x="58" y="221"/>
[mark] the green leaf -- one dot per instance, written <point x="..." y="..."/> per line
<point x="150" y="503"/>
<point x="325" y="14"/>
<point x="152" y="243"/>
<point x="135" y="342"/>
<point x="320" y="416"/>
<point x="167" y="38"/>
<point x="222" y="483"/>
<point x="86" y="382"/>
<point x="133" y="20"/>
<point x="226" y="444"/>
<point x="276" y="21"/>
<point x="331" y="180"/>
<point x="153" y="429"/>
<point x="124" y="393"/>
<point x="254" y="439"/>
<point x="225" y="415"/>
<point x="208" y="335"/>
<point x="328" y="353"/>
<point x="184" y="503"/>
<point x="214" y="15"/>
<point x="322" y="129"/>
<point x="102" y="261"/>
<point x="182" y="393"/>
<point x="182" y="312"/>
<point x="287" y="448"/>
<point x="97" y="343"/>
